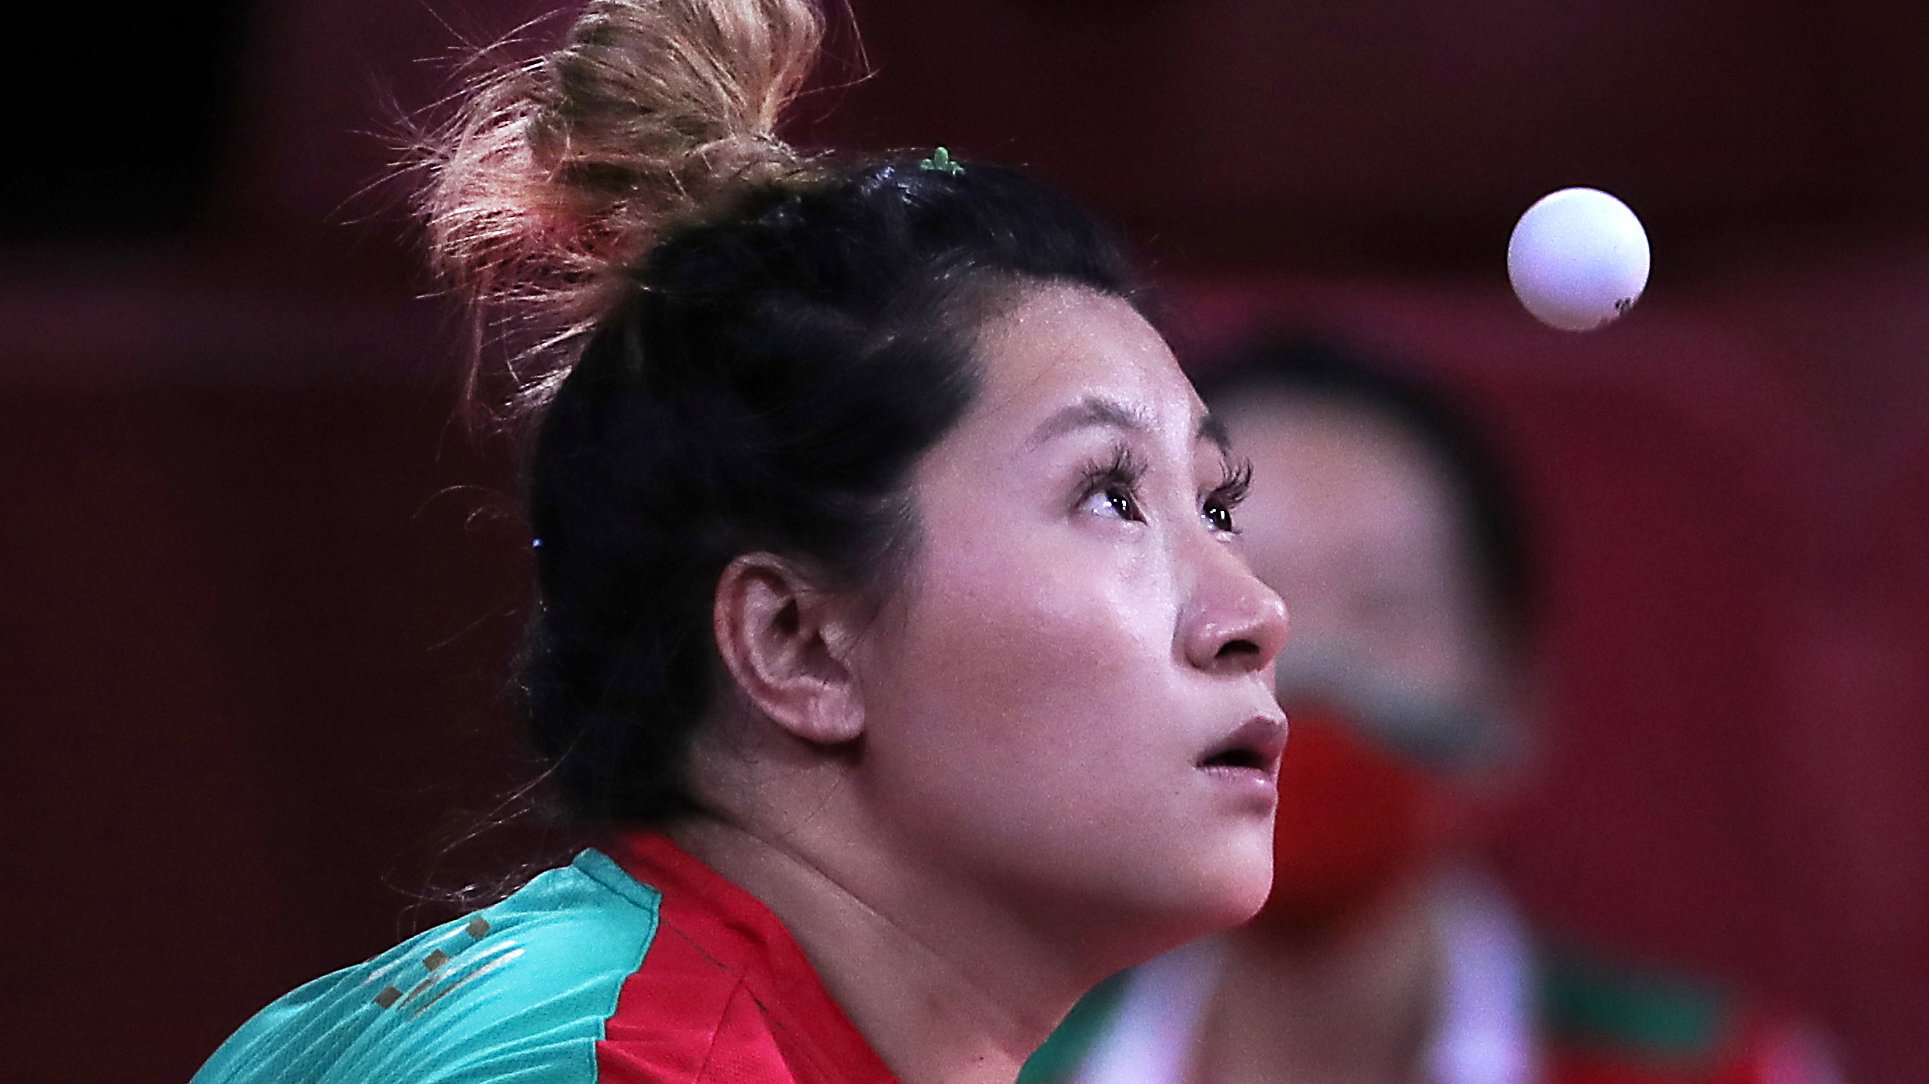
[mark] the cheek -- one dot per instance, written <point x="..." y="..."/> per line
<point x="1463" y="661"/>
<point x="1020" y="645"/>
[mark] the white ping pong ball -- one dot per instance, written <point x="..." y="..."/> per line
<point x="1578" y="259"/>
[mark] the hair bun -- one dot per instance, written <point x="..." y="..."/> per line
<point x="556" y="175"/>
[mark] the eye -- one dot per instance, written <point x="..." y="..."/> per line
<point x="1110" y="487"/>
<point x="1219" y="518"/>
<point x="1116" y="500"/>
<point x="1217" y="506"/>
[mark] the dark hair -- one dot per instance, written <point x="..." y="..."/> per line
<point x="1496" y="532"/>
<point x="770" y="384"/>
<point x="738" y="346"/>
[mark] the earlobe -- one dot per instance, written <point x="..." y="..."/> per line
<point x="782" y="640"/>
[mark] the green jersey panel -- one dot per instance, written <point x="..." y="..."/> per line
<point x="517" y="993"/>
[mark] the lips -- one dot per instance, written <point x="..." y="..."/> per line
<point x="1256" y="745"/>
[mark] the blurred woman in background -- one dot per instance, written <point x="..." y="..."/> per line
<point x="1385" y="954"/>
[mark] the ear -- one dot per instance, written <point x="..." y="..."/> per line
<point x="784" y="641"/>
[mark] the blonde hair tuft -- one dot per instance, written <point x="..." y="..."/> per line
<point x="555" y="176"/>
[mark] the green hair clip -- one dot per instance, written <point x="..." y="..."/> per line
<point x="940" y="162"/>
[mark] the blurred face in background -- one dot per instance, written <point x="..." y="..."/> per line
<point x="1354" y="519"/>
<point x="1395" y="679"/>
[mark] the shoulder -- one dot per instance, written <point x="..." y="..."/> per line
<point x="1140" y="1025"/>
<point x="518" y="991"/>
<point x="1075" y="1039"/>
<point x="1603" y="1016"/>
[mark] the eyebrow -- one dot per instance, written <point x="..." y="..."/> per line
<point x="1214" y="430"/>
<point x="1096" y="410"/>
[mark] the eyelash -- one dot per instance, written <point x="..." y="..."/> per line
<point x="1235" y="483"/>
<point x="1118" y="477"/>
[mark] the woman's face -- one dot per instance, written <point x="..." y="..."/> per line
<point x="1068" y="701"/>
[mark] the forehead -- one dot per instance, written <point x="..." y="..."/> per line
<point x="1058" y="344"/>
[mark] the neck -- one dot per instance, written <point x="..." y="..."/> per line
<point x="943" y="987"/>
<point x="1357" y="1004"/>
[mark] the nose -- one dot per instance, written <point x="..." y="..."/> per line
<point x="1234" y="623"/>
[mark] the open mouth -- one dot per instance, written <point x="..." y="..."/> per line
<point x="1235" y="758"/>
<point x="1256" y="746"/>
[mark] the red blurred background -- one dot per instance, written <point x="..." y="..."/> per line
<point x="262" y="591"/>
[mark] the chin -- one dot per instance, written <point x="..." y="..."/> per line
<point x="1239" y="876"/>
<point x="1216" y="889"/>
<point x="1241" y="900"/>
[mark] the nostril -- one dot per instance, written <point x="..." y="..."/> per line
<point x="1239" y="649"/>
